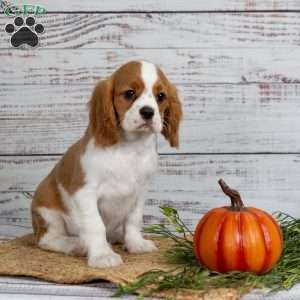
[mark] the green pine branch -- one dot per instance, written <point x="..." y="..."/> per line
<point x="188" y="274"/>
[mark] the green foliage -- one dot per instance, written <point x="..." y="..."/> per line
<point x="188" y="274"/>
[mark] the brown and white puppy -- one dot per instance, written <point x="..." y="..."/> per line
<point x="92" y="196"/>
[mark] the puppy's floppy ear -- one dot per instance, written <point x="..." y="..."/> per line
<point x="103" y="120"/>
<point x="172" y="117"/>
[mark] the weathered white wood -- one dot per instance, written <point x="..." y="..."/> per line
<point x="217" y="118"/>
<point x="21" y="296"/>
<point x="239" y="118"/>
<point x="167" y="5"/>
<point x="103" y="290"/>
<point x="15" y="219"/>
<point x="23" y="288"/>
<point x="84" y="66"/>
<point x="187" y="182"/>
<point x="176" y="30"/>
<point x="20" y="288"/>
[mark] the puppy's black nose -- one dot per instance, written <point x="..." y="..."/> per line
<point x="147" y="112"/>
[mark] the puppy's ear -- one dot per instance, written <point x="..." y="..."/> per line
<point x="103" y="120"/>
<point x="172" y="118"/>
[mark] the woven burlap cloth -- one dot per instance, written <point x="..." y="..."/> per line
<point x="21" y="257"/>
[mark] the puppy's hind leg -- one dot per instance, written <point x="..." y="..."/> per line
<point x="116" y="236"/>
<point x="55" y="237"/>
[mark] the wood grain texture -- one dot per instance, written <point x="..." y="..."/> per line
<point x="32" y="289"/>
<point x="85" y="66"/>
<point x="167" y="5"/>
<point x="189" y="30"/>
<point x="20" y="288"/>
<point x="270" y="182"/>
<point x="217" y="118"/>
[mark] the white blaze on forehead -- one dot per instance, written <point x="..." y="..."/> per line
<point x="149" y="75"/>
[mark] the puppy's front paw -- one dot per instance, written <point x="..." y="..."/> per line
<point x="111" y="259"/>
<point x="140" y="246"/>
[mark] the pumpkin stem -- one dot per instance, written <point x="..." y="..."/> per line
<point x="235" y="197"/>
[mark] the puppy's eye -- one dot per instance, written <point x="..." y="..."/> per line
<point x="161" y="97"/>
<point x="129" y="94"/>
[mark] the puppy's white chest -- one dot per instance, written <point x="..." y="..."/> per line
<point x="119" y="171"/>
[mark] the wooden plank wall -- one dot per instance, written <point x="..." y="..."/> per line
<point x="236" y="65"/>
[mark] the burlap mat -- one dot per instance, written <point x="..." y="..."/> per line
<point x="20" y="257"/>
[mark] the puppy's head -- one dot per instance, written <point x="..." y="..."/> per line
<point x="137" y="98"/>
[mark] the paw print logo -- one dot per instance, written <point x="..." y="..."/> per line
<point x="24" y="34"/>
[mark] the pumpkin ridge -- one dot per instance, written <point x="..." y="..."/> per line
<point x="241" y="259"/>
<point x="278" y="229"/>
<point x="197" y="234"/>
<point x="266" y="238"/>
<point x="221" y="266"/>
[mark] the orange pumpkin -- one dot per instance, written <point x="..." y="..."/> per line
<point x="237" y="237"/>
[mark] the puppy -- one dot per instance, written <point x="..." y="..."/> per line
<point x="91" y="198"/>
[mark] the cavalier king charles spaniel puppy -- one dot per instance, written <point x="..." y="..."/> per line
<point x="92" y="196"/>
